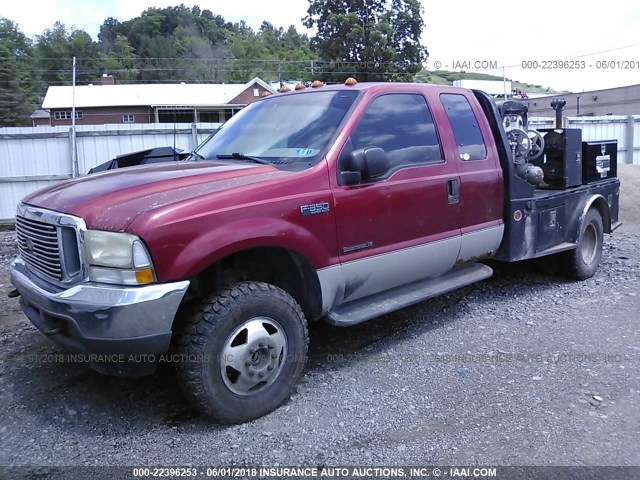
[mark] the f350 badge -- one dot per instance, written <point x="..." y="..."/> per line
<point x="314" y="209"/>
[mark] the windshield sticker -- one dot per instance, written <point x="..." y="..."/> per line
<point x="304" y="152"/>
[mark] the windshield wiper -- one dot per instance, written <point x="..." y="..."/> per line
<point x="242" y="156"/>
<point x="196" y="155"/>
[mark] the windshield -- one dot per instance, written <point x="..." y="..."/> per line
<point x="290" y="130"/>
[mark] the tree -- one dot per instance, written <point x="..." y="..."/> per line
<point x="55" y="49"/>
<point x="121" y="60"/>
<point x="82" y="46"/>
<point x="200" y="59"/>
<point x="373" y="40"/>
<point x="109" y="30"/>
<point x="52" y="53"/>
<point x="297" y="49"/>
<point x="160" y="64"/>
<point x="18" y="83"/>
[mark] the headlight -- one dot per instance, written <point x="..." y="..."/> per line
<point x="119" y="258"/>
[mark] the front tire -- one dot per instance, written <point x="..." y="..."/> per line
<point x="242" y="352"/>
<point x="583" y="262"/>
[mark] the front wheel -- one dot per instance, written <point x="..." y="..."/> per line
<point x="583" y="262"/>
<point x="242" y="352"/>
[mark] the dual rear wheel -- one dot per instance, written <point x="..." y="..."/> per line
<point x="582" y="262"/>
<point x="586" y="258"/>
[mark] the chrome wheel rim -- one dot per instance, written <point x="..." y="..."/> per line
<point x="253" y="356"/>
<point x="589" y="244"/>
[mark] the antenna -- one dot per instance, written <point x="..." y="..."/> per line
<point x="174" y="134"/>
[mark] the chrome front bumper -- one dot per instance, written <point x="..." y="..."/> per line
<point x="98" y="318"/>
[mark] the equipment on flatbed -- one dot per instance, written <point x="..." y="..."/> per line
<point x="599" y="160"/>
<point x="558" y="106"/>
<point x="526" y="145"/>
<point x="555" y="158"/>
<point x="561" y="161"/>
<point x="554" y="221"/>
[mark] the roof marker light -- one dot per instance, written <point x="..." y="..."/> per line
<point x="316" y="84"/>
<point x="350" y="82"/>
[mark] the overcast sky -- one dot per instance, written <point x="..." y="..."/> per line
<point x="506" y="33"/>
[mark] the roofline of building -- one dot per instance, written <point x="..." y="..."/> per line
<point x="246" y="85"/>
<point x="162" y="106"/>
<point x="587" y="92"/>
<point x="40" y="113"/>
<point x="262" y="83"/>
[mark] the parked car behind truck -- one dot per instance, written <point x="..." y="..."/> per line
<point x="339" y="203"/>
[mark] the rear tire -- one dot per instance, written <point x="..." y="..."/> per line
<point x="583" y="262"/>
<point x="243" y="351"/>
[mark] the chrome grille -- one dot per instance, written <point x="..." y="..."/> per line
<point x="38" y="245"/>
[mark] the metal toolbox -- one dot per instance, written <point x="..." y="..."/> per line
<point x="562" y="159"/>
<point x="599" y="160"/>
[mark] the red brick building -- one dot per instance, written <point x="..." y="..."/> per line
<point x="148" y="103"/>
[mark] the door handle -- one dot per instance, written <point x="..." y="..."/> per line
<point x="453" y="190"/>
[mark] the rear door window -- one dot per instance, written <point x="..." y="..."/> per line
<point x="465" y="127"/>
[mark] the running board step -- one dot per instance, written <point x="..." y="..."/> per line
<point x="373" y="306"/>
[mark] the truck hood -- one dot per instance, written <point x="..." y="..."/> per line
<point x="113" y="199"/>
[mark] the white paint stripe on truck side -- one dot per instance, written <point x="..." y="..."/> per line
<point x="480" y="244"/>
<point x="366" y="276"/>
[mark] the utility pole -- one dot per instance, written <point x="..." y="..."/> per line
<point x="74" y="156"/>
<point x="365" y="31"/>
<point x="504" y="83"/>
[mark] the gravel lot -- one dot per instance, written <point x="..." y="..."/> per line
<point x="522" y="369"/>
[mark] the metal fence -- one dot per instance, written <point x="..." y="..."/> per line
<point x="625" y="129"/>
<point x="35" y="157"/>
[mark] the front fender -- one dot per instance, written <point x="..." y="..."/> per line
<point x="216" y="243"/>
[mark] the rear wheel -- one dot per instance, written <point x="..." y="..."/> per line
<point x="583" y="262"/>
<point x="243" y="352"/>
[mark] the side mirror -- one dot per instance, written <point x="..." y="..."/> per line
<point x="365" y="164"/>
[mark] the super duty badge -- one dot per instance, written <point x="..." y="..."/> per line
<point x="314" y="209"/>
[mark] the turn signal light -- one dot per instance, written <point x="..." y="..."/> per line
<point x="144" y="276"/>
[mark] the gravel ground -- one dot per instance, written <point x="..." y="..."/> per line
<point x="522" y="369"/>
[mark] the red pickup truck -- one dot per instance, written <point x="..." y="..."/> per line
<point x="340" y="203"/>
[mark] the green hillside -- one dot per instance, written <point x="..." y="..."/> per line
<point x="446" y="77"/>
